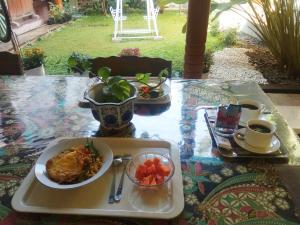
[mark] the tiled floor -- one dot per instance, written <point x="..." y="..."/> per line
<point x="289" y="106"/>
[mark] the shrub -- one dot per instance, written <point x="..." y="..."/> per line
<point x="207" y="61"/>
<point x="214" y="28"/>
<point x="278" y="27"/>
<point x="229" y="37"/>
<point x="136" y="4"/>
<point x="78" y="62"/>
<point x="33" y="57"/>
<point x="57" y="15"/>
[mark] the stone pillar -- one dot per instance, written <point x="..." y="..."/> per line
<point x="197" y="23"/>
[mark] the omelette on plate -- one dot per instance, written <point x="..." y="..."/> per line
<point x="73" y="165"/>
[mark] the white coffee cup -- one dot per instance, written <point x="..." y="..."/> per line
<point x="254" y="135"/>
<point x="248" y="113"/>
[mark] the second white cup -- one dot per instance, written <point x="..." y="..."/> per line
<point x="251" y="109"/>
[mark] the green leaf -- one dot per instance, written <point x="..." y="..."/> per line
<point x="104" y="73"/>
<point x="124" y="84"/>
<point x="114" y="79"/>
<point x="72" y="62"/>
<point x="142" y="77"/>
<point x="117" y="91"/>
<point x="86" y="65"/>
<point x="164" y="73"/>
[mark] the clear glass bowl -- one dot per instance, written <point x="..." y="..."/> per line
<point x="139" y="159"/>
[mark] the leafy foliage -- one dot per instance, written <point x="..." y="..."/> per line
<point x="143" y="78"/>
<point x="279" y="28"/>
<point x="229" y="37"/>
<point x="57" y="14"/>
<point x="214" y="28"/>
<point x="79" y="62"/>
<point x="115" y="88"/>
<point x="33" y="57"/>
<point x="118" y="89"/>
<point x="96" y="6"/>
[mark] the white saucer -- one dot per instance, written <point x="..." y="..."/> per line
<point x="274" y="146"/>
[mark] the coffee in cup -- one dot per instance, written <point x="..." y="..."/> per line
<point x="251" y="109"/>
<point x="259" y="133"/>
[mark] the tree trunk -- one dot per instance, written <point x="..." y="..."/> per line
<point x="198" y="14"/>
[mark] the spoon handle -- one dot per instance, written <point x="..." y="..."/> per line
<point x="120" y="187"/>
<point x="112" y="188"/>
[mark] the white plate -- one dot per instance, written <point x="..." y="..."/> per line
<point x="274" y="146"/>
<point x="59" y="146"/>
<point x="92" y="199"/>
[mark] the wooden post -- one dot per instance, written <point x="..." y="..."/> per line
<point x="197" y="23"/>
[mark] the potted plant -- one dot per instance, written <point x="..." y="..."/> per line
<point x="33" y="60"/>
<point x="111" y="100"/>
<point x="79" y="63"/>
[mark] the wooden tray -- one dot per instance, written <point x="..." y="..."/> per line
<point x="92" y="199"/>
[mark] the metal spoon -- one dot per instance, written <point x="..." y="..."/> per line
<point x="117" y="161"/>
<point x="240" y="136"/>
<point x="118" y="194"/>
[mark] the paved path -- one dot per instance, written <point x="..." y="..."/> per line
<point x="233" y="64"/>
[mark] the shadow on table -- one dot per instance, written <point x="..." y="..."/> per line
<point x="151" y="109"/>
<point x="128" y="131"/>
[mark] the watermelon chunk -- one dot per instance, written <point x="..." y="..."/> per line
<point x="152" y="172"/>
<point x="163" y="170"/>
<point x="148" y="162"/>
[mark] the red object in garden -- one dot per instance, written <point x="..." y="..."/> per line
<point x="59" y="3"/>
<point x="130" y="52"/>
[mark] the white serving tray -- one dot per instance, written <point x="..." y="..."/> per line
<point x="92" y="199"/>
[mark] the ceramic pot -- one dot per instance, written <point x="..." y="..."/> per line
<point x="111" y="115"/>
<point x="38" y="71"/>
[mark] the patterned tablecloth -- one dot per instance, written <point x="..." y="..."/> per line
<point x="36" y="110"/>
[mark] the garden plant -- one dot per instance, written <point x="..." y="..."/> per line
<point x="279" y="29"/>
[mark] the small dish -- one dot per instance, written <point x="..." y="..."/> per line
<point x="275" y="144"/>
<point x="165" y="92"/>
<point x="140" y="160"/>
<point x="57" y="147"/>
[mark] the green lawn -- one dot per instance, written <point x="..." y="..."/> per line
<point x="93" y="35"/>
